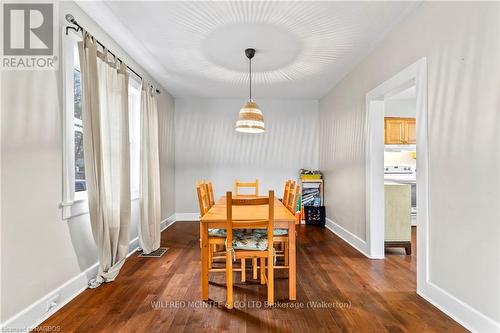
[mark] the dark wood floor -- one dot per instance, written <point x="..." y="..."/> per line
<point x="364" y="295"/>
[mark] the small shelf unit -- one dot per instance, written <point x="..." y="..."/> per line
<point x="311" y="189"/>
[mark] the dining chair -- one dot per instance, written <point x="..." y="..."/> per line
<point x="250" y="244"/>
<point x="281" y="235"/>
<point x="238" y="185"/>
<point x="216" y="237"/>
<point x="255" y="185"/>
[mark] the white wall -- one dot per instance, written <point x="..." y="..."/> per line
<point x="166" y="133"/>
<point x="462" y="46"/>
<point x="208" y="147"/>
<point x="404" y="108"/>
<point x="40" y="251"/>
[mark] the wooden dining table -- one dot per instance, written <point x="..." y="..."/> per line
<point x="216" y="218"/>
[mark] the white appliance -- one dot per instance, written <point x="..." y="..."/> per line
<point x="404" y="174"/>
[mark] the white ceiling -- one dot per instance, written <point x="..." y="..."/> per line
<point x="197" y="48"/>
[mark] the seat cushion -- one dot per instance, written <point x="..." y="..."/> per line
<point x="249" y="240"/>
<point x="222" y="232"/>
<point x="276" y="232"/>
<point x="217" y="233"/>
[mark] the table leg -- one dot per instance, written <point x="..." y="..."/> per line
<point x="292" y="262"/>
<point x="204" y="260"/>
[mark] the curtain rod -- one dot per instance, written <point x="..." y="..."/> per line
<point x="79" y="28"/>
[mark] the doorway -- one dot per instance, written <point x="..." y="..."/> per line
<point x="413" y="75"/>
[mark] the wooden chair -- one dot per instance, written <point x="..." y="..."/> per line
<point x="255" y="185"/>
<point x="281" y="235"/>
<point x="263" y="249"/>
<point x="217" y="237"/>
<point x="238" y="185"/>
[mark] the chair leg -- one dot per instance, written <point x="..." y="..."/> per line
<point x="210" y="254"/>
<point x="286" y="253"/>
<point x="229" y="280"/>
<point x="262" y="270"/>
<point x="243" y="271"/>
<point x="270" y="279"/>
<point x="254" y="267"/>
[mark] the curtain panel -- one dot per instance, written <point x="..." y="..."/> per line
<point x="106" y="155"/>
<point x="149" y="227"/>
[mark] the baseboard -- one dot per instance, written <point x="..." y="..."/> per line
<point x="462" y="313"/>
<point x="36" y="313"/>
<point x="347" y="236"/>
<point x="187" y="217"/>
<point x="167" y="222"/>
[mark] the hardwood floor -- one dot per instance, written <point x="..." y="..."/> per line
<point x="359" y="295"/>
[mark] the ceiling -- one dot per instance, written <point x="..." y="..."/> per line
<point x="197" y="48"/>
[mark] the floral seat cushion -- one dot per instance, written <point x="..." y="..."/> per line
<point x="249" y="240"/>
<point x="217" y="233"/>
<point x="222" y="232"/>
<point x="276" y="232"/>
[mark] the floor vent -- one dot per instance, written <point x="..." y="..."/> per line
<point x="155" y="254"/>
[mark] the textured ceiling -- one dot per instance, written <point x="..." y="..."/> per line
<point x="197" y="48"/>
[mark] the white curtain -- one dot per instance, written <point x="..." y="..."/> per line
<point x="149" y="227"/>
<point x="107" y="156"/>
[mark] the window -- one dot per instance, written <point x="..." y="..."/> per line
<point x="74" y="185"/>
<point x="79" y="163"/>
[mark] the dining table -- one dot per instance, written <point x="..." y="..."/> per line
<point x="216" y="218"/>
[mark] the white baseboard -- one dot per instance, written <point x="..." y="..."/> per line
<point x="167" y="222"/>
<point x="187" y="217"/>
<point x="347" y="236"/>
<point x="36" y="313"/>
<point x="462" y="313"/>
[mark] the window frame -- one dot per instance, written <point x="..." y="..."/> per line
<point x="73" y="203"/>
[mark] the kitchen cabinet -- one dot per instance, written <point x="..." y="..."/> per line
<point x="400" y="131"/>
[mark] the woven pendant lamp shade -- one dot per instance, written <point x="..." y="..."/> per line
<point x="250" y="119"/>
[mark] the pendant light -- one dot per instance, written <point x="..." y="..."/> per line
<point x="250" y="119"/>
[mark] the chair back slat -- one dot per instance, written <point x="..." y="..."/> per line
<point x="251" y="201"/>
<point x="238" y="185"/>
<point x="291" y="189"/>
<point x="286" y="190"/>
<point x="291" y="203"/>
<point x="210" y="190"/>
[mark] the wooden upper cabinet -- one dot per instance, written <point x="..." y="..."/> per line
<point x="394" y="131"/>
<point x="400" y="131"/>
<point x="410" y="131"/>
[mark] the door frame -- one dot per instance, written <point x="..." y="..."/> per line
<point x="413" y="74"/>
